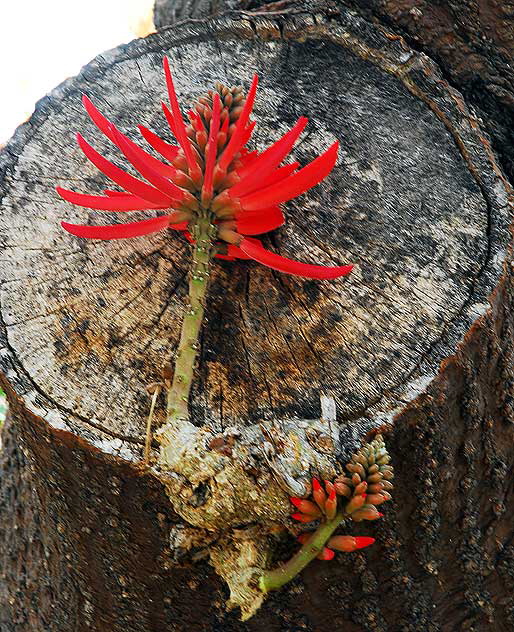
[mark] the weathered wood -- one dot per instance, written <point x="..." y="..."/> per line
<point x="417" y="200"/>
<point x="472" y="42"/>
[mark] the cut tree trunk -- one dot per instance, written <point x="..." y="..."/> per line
<point x="418" y="341"/>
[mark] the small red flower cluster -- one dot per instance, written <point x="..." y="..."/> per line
<point x="324" y="506"/>
<point x="209" y="170"/>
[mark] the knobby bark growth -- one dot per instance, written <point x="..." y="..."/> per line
<point x="422" y="338"/>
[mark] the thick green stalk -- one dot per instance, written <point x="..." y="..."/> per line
<point x="178" y="394"/>
<point x="273" y="579"/>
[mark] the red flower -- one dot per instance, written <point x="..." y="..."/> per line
<point x="210" y="169"/>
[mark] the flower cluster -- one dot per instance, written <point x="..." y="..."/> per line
<point x="354" y="496"/>
<point x="209" y="171"/>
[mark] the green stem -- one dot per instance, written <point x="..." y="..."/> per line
<point x="273" y="579"/>
<point x="178" y="395"/>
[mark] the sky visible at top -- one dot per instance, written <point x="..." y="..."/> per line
<point x="43" y="42"/>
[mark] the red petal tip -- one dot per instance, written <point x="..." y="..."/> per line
<point x="362" y="542"/>
<point x="326" y="554"/>
<point x="316" y="484"/>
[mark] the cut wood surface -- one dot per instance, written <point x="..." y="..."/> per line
<point x="420" y="334"/>
<point x="415" y="201"/>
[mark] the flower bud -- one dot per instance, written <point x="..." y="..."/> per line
<point x="328" y="487"/>
<point x="318" y="493"/>
<point x="348" y="544"/>
<point x="361" y="488"/>
<point x="342" y="489"/>
<point x="301" y="517"/>
<point x="355" y="503"/>
<point x="331" y="505"/>
<point x="356" y="468"/>
<point x="326" y="554"/>
<point x="356" y="479"/>
<point x="368" y="512"/>
<point x="306" y="507"/>
<point x="376" y="499"/>
<point x="344" y="543"/>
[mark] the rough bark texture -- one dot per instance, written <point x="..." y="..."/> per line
<point x="422" y="333"/>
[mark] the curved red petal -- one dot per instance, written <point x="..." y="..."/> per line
<point x="113" y="193"/>
<point x="295" y="184"/>
<point x="236" y="140"/>
<point x="110" y="130"/>
<point x="125" y="180"/>
<point x="211" y="149"/>
<point x="236" y="253"/>
<point x="167" y="150"/>
<point x="307" y="270"/>
<point x="118" y="231"/>
<point x="103" y="124"/>
<point x="119" y="202"/>
<point x="177" y="121"/>
<point x="139" y="159"/>
<point x="258" y="223"/>
<point x="265" y="164"/>
<point x="267" y="180"/>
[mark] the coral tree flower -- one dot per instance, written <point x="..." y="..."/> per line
<point x="210" y="169"/>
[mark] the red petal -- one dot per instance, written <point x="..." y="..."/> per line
<point x="272" y="178"/>
<point x="125" y="180"/>
<point x="165" y="149"/>
<point x="326" y="554"/>
<point x="260" y="168"/>
<point x="211" y="149"/>
<point x="180" y="226"/>
<point x="235" y="143"/>
<point x="258" y="223"/>
<point x="118" y="202"/>
<point x="177" y="121"/>
<point x="237" y="253"/>
<point x="295" y="184"/>
<point x="363" y="542"/>
<point x="113" y="193"/>
<point x="247" y="158"/>
<point x="138" y="158"/>
<point x="111" y="131"/>
<point x="272" y="260"/>
<point x="103" y="124"/>
<point x="118" y="231"/>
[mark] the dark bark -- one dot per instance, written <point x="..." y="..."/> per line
<point x="97" y="544"/>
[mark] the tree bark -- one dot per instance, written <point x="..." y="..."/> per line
<point x="420" y="338"/>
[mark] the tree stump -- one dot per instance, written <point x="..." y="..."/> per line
<point x="418" y="339"/>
